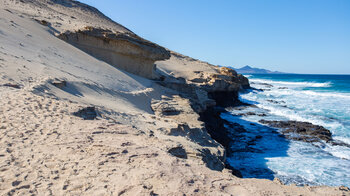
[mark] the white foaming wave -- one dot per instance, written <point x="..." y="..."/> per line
<point x="292" y="115"/>
<point x="339" y="151"/>
<point x="296" y="84"/>
<point x="327" y="94"/>
<point x="247" y="76"/>
<point x="308" y="93"/>
<point x="343" y="139"/>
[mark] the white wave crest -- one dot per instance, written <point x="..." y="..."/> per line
<point x="308" y="93"/>
<point x="294" y="84"/>
<point x="328" y="94"/>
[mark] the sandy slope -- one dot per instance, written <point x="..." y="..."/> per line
<point x="64" y="15"/>
<point x="45" y="149"/>
<point x="33" y="52"/>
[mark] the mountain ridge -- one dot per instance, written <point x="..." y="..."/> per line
<point x="253" y="70"/>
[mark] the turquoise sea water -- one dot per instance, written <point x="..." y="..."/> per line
<point x="320" y="99"/>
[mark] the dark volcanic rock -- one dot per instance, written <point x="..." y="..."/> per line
<point x="243" y="81"/>
<point x="276" y="102"/>
<point x="215" y="125"/>
<point x="224" y="98"/>
<point x="307" y="132"/>
<point x="266" y="85"/>
<point x="251" y="114"/>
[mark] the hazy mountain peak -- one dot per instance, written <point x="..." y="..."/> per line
<point x="252" y="70"/>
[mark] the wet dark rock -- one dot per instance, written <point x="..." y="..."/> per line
<point x="282" y="88"/>
<point x="88" y="113"/>
<point x="339" y="143"/>
<point x="247" y="114"/>
<point x="266" y="85"/>
<point x="179" y="152"/>
<point x="243" y="107"/>
<point x="305" y="131"/>
<point x="12" y="85"/>
<point x="251" y="114"/>
<point x="224" y="98"/>
<point x="276" y="102"/>
<point x="237" y="127"/>
<point x="256" y="89"/>
<point x="215" y="125"/>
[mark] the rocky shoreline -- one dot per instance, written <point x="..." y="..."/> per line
<point x="246" y="140"/>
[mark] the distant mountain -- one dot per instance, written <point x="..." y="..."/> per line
<point x="252" y="70"/>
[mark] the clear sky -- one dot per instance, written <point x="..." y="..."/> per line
<point x="299" y="36"/>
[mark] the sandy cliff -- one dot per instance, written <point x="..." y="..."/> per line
<point x="148" y="137"/>
<point x="122" y="50"/>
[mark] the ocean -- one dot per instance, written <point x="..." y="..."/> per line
<point x="260" y="152"/>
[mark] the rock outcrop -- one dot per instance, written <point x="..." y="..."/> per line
<point x="304" y="131"/>
<point x="122" y="50"/>
<point x="189" y="126"/>
<point x="208" y="88"/>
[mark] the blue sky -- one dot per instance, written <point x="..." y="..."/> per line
<point x="298" y="36"/>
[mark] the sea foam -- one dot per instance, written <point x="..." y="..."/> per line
<point x="301" y="84"/>
<point x="303" y="163"/>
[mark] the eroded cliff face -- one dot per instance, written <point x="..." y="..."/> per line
<point x="122" y="50"/>
<point x="208" y="89"/>
<point x="206" y="84"/>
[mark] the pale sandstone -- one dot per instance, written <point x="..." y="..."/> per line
<point x="122" y="50"/>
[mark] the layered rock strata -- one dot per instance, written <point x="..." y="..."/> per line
<point x="122" y="50"/>
<point x="208" y="93"/>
